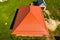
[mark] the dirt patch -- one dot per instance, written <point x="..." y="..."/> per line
<point x="47" y="11"/>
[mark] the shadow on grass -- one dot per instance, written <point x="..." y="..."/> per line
<point x="14" y="19"/>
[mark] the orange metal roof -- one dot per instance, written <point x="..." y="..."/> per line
<point x="30" y="21"/>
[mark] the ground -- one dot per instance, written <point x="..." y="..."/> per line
<point x="7" y="12"/>
<point x="54" y="7"/>
<point x="8" y="9"/>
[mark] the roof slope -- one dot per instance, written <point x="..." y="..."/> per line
<point x="30" y="22"/>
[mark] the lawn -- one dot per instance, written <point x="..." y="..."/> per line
<point x="7" y="12"/>
<point x="54" y="7"/>
<point x="8" y="9"/>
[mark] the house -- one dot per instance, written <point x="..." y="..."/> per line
<point x="29" y="21"/>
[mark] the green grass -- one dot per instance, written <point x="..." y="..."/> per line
<point x="7" y="12"/>
<point x="8" y="9"/>
<point x="54" y="7"/>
